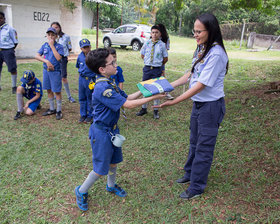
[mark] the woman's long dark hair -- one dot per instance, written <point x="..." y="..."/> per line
<point x="60" y="34"/>
<point x="214" y="34"/>
<point x="164" y="34"/>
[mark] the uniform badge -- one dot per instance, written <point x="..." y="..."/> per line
<point x="107" y="93"/>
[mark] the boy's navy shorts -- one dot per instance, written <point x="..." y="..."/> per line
<point x="52" y="81"/>
<point x="63" y="65"/>
<point x="33" y="106"/>
<point x="8" y="56"/>
<point x="150" y="72"/>
<point x="104" y="152"/>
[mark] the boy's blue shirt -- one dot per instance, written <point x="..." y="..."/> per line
<point x="48" y="54"/>
<point x="83" y="70"/>
<point x="118" y="77"/>
<point x="8" y="36"/>
<point x="32" y="89"/>
<point x="106" y="102"/>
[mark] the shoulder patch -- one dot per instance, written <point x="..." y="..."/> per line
<point x="107" y="93"/>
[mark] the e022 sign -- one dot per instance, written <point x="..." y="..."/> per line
<point x="41" y="16"/>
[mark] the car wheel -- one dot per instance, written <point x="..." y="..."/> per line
<point x="136" y="45"/>
<point x="123" y="46"/>
<point x="107" y="43"/>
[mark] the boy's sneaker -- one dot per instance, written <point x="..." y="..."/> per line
<point x="71" y="99"/>
<point x="142" y="112"/>
<point x="14" y="90"/>
<point x="156" y="115"/>
<point x="81" y="199"/>
<point x="169" y="97"/>
<point x="88" y="120"/>
<point x="18" y="115"/>
<point x="187" y="195"/>
<point x="58" y="115"/>
<point x="82" y="119"/>
<point x="49" y="112"/>
<point x="117" y="190"/>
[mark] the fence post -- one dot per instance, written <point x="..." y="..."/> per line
<point x="251" y="40"/>
<point x="243" y="29"/>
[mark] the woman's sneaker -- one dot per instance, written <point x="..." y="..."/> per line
<point x="81" y="199"/>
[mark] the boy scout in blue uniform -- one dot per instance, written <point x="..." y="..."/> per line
<point x="31" y="88"/>
<point x="8" y="43"/>
<point x="107" y="101"/>
<point x="53" y="53"/>
<point x="155" y="56"/>
<point x="86" y="76"/>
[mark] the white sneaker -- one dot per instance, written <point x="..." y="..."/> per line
<point x="169" y="97"/>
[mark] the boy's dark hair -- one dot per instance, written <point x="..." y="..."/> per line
<point x="2" y="14"/>
<point x="112" y="51"/>
<point x="60" y="34"/>
<point x="214" y="34"/>
<point x="96" y="59"/>
<point x="155" y="27"/>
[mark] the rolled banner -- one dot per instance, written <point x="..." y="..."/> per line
<point x="154" y="86"/>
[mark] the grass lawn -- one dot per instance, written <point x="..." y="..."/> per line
<point x="42" y="160"/>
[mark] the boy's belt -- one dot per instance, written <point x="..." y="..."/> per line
<point x="151" y="67"/>
<point x="3" y="49"/>
<point x="103" y="127"/>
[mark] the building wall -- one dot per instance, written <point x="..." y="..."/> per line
<point x="87" y="16"/>
<point x="32" y="18"/>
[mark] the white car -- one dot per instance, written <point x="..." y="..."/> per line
<point x="134" y="35"/>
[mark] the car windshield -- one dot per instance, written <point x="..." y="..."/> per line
<point x="146" y="29"/>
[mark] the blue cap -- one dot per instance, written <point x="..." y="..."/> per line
<point x="50" y="29"/>
<point x="28" y="75"/>
<point x="84" y="43"/>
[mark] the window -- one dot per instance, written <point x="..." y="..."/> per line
<point x="130" y="29"/>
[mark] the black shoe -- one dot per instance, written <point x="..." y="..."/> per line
<point x="49" y="112"/>
<point x="18" y="115"/>
<point x="156" y="115"/>
<point x="88" y="120"/>
<point x="58" y="115"/>
<point x="183" y="180"/>
<point x="142" y="112"/>
<point x="82" y="119"/>
<point x="14" y="90"/>
<point x="39" y="107"/>
<point x="187" y="195"/>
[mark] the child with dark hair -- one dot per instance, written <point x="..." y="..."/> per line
<point x="118" y="77"/>
<point x="107" y="100"/>
<point x="165" y="39"/>
<point x="155" y="55"/>
<point x="65" y="41"/>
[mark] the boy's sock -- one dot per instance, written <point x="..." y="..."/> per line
<point x="67" y="89"/>
<point x="51" y="102"/>
<point x="20" y="102"/>
<point x="111" y="179"/>
<point x="92" y="177"/>
<point x="14" y="80"/>
<point x="0" y="80"/>
<point x="156" y="102"/>
<point x="144" y="106"/>
<point x="58" y="105"/>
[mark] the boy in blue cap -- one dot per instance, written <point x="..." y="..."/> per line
<point x="31" y="88"/>
<point x="52" y="80"/>
<point x="107" y="100"/>
<point x="86" y="76"/>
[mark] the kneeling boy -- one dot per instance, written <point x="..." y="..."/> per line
<point x="31" y="88"/>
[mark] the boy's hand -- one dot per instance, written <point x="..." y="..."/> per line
<point x="26" y="106"/>
<point x="165" y="104"/>
<point x="50" y="66"/>
<point x="158" y="96"/>
<point x="51" y="41"/>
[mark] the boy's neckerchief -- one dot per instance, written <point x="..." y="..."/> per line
<point x="152" y="51"/>
<point x="3" y="26"/>
<point x="114" y="85"/>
